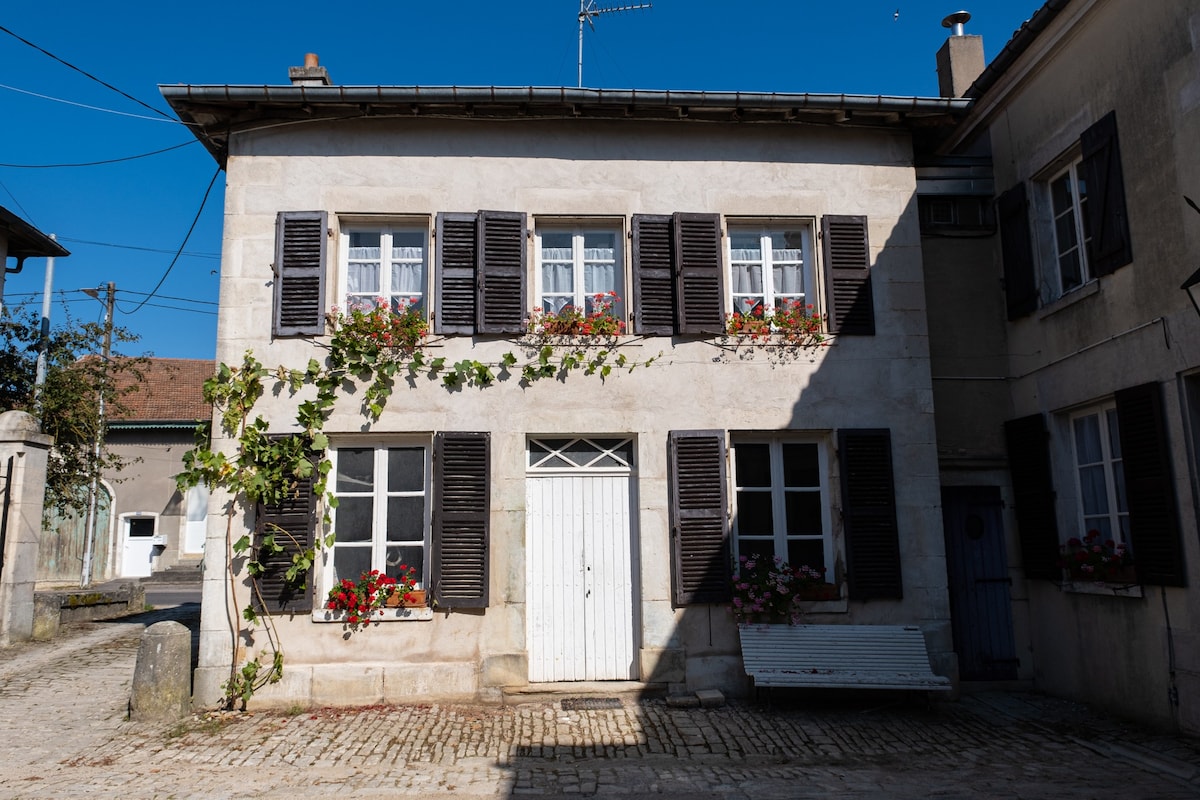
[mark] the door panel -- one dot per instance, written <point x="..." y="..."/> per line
<point x="977" y="571"/>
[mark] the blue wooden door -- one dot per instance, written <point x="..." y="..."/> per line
<point x="980" y="597"/>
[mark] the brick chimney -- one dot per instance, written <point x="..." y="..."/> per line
<point x="311" y="74"/>
<point x="960" y="60"/>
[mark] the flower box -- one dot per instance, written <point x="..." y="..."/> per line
<point x="412" y="599"/>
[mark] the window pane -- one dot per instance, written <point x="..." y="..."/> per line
<point x="803" y="513"/>
<point x="754" y="515"/>
<point x="557" y="240"/>
<point x="400" y="558"/>
<point x="350" y="562"/>
<point x="806" y="552"/>
<point x="1114" y="434"/>
<point x="599" y="279"/>
<point x="745" y="246"/>
<point x="362" y="277"/>
<point x="355" y="469"/>
<point x="801" y="466"/>
<point x="406" y="519"/>
<point x="788" y="278"/>
<point x="753" y="464"/>
<point x="352" y="520"/>
<point x="1087" y="440"/>
<point x="1064" y="232"/>
<point x="746" y="279"/>
<point x="755" y="547"/>
<point x="1093" y="490"/>
<point x="406" y="469"/>
<point x="1060" y="194"/>
<point x="1072" y="273"/>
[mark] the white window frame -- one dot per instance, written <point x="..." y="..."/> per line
<point x="1117" y="517"/>
<point x="1068" y="170"/>
<point x="387" y="231"/>
<point x="379" y="493"/>
<point x="580" y="298"/>
<point x="780" y="536"/>
<point x="770" y="294"/>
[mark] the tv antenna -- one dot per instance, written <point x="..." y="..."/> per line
<point x="587" y="11"/>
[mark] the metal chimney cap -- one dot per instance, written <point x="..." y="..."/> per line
<point x="955" y="21"/>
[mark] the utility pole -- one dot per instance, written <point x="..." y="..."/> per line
<point x="44" y="337"/>
<point x="94" y="487"/>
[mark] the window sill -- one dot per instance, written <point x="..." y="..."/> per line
<point x="1102" y="588"/>
<point x="1069" y="299"/>
<point x="402" y="614"/>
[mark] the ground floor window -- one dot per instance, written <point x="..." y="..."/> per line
<point x="382" y="518"/>
<point x="781" y="502"/>
<point x="1099" y="475"/>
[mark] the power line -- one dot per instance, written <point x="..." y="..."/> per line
<point x="16" y="202"/>
<point x="168" y="297"/>
<point x="135" y="247"/>
<point x="182" y="245"/>
<point x="101" y="163"/>
<point x="89" y="107"/>
<point x="84" y="73"/>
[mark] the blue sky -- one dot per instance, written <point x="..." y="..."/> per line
<point x="123" y="222"/>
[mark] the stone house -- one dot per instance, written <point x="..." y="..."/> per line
<point x="1066" y="357"/>
<point x="584" y="529"/>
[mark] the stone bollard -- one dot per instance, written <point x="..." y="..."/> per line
<point x="162" y="678"/>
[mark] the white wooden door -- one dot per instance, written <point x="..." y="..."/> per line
<point x="138" y="553"/>
<point x="579" y="575"/>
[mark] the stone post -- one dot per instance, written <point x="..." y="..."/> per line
<point x="162" y="679"/>
<point x="24" y="452"/>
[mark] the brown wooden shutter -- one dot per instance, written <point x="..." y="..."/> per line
<point x="1020" y="276"/>
<point x="699" y="521"/>
<point x="869" y="514"/>
<point x="500" y="304"/>
<point x="653" y="275"/>
<point x="697" y="252"/>
<point x="1033" y="495"/>
<point x="461" y="519"/>
<point x="1149" y="486"/>
<point x="1100" y="169"/>
<point x="456" y="256"/>
<point x="851" y="310"/>
<point x="300" y="238"/>
<point x="295" y="514"/>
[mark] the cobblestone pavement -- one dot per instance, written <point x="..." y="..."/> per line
<point x="63" y="703"/>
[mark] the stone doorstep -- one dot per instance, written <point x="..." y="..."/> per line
<point x="630" y="691"/>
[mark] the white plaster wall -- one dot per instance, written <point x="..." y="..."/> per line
<point x="418" y="167"/>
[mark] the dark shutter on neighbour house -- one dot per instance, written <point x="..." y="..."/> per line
<point x="1020" y="277"/>
<point x="699" y="519"/>
<point x="869" y="514"/>
<point x="292" y="523"/>
<point x="1100" y="169"/>
<point x="500" y="304"/>
<point x="1033" y="495"/>
<point x="456" y="255"/>
<point x="1146" y="459"/>
<point x="653" y="275"/>
<point x="461" y="519"/>
<point x="299" y="267"/>
<point x="697" y="245"/>
<point x="851" y="309"/>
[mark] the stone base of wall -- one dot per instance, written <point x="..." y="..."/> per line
<point x="54" y="608"/>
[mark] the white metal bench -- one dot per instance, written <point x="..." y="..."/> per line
<point x="839" y="657"/>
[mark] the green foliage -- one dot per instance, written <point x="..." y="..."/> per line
<point x="265" y="468"/>
<point x="68" y="407"/>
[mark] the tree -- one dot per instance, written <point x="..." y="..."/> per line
<point x="68" y="408"/>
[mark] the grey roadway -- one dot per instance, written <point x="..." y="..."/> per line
<point x="64" y="733"/>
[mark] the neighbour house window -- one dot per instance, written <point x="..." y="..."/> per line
<point x="1099" y="475"/>
<point x="575" y="265"/>
<point x="1071" y="233"/>
<point x="770" y="268"/>
<point x="386" y="263"/>
<point x="382" y="517"/>
<point x="781" y="502"/>
<point x="1082" y="231"/>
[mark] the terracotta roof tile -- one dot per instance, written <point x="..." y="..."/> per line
<point x="171" y="390"/>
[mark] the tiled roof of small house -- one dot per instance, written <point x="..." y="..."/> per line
<point x="170" y="390"/>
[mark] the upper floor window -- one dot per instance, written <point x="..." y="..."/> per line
<point x="1071" y="229"/>
<point x="385" y="263"/>
<point x="770" y="268"/>
<point x="577" y="264"/>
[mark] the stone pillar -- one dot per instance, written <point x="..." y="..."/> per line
<point x="24" y="452"/>
<point x="162" y="679"/>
